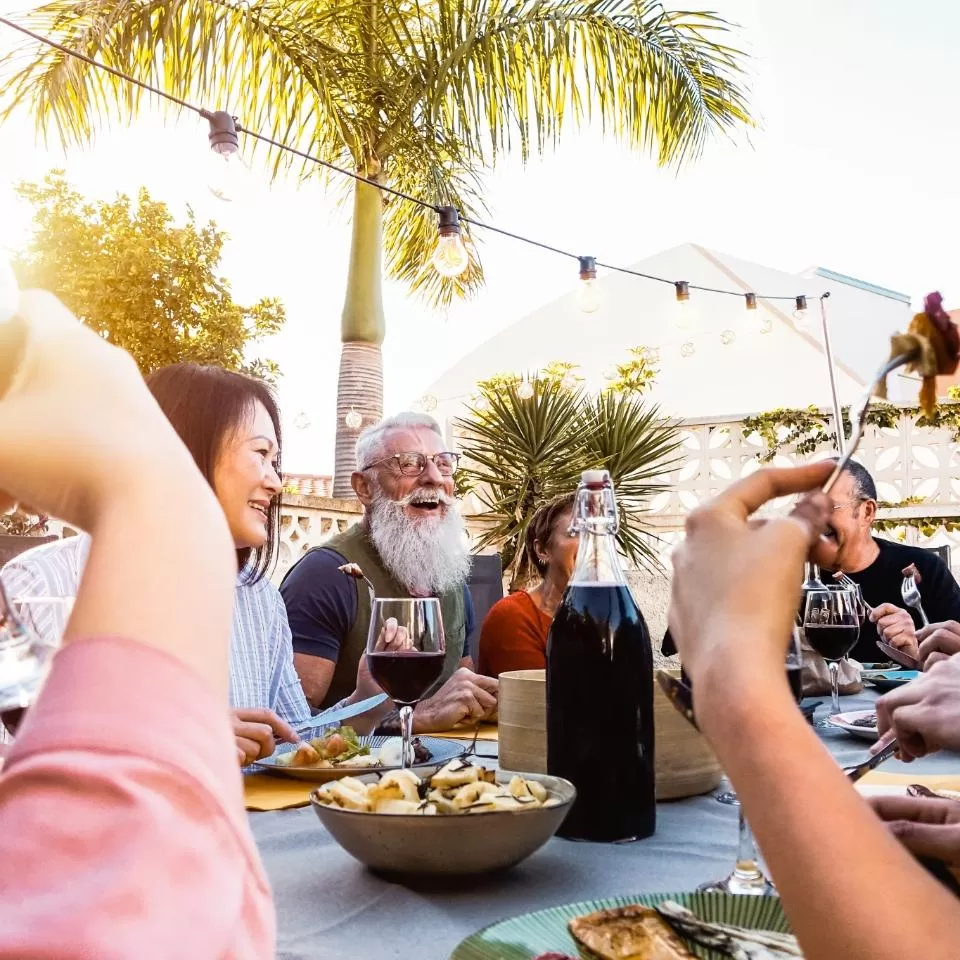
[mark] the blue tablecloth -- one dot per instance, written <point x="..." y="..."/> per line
<point x="330" y="907"/>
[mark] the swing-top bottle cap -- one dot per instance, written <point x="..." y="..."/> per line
<point x="595" y="478"/>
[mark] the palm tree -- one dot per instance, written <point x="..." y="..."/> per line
<point x="419" y="94"/>
<point x="521" y="451"/>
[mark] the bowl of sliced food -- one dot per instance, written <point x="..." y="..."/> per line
<point x="455" y="819"/>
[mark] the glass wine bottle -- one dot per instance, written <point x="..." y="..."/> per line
<point x="600" y="684"/>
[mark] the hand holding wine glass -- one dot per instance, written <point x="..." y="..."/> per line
<point x="405" y="654"/>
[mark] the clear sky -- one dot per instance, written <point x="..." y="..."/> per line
<point x="854" y="167"/>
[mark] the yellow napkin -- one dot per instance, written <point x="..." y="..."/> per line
<point x="264" y="792"/>
<point x="488" y="731"/>
<point x="943" y="781"/>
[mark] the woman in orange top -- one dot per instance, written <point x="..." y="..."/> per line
<point x="514" y="633"/>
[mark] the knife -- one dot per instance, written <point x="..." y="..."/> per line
<point x="904" y="659"/>
<point x="861" y="769"/>
<point x="679" y="694"/>
<point x="342" y="713"/>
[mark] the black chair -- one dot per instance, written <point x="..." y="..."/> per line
<point x="943" y="552"/>
<point x="486" y="588"/>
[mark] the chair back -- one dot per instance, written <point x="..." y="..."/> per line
<point x="943" y="552"/>
<point x="486" y="588"/>
<point x="11" y="546"/>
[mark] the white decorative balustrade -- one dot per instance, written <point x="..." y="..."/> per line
<point x="905" y="460"/>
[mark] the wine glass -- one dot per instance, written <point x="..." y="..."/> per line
<point x="30" y="633"/>
<point x="747" y="876"/>
<point x="405" y="651"/>
<point x="831" y="624"/>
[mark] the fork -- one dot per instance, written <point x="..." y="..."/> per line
<point x="858" y="414"/>
<point x="841" y="577"/>
<point x="911" y="597"/>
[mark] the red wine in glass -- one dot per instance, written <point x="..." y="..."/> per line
<point x="795" y="679"/>
<point x="833" y="641"/>
<point x="11" y="718"/>
<point x="405" y="676"/>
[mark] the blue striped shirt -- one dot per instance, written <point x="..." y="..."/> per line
<point x="261" y="652"/>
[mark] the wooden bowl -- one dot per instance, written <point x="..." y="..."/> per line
<point x="522" y="725"/>
<point x="685" y="763"/>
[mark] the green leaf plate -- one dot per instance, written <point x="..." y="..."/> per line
<point x="529" y="935"/>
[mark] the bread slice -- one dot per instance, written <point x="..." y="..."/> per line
<point x="627" y="933"/>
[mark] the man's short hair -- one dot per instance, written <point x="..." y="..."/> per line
<point x="371" y="444"/>
<point x="863" y="486"/>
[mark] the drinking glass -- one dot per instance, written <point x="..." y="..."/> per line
<point x="405" y="648"/>
<point x="30" y="632"/>
<point x="831" y="624"/>
<point x="747" y="876"/>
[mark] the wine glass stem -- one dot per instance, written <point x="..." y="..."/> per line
<point x="406" y="735"/>
<point x="747" y="867"/>
<point x="834" y="667"/>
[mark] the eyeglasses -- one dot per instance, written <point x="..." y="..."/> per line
<point x="413" y="464"/>
<point x="846" y="503"/>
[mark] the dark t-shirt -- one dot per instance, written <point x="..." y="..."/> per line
<point x="881" y="582"/>
<point x="322" y="605"/>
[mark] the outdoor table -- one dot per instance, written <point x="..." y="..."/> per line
<point x="330" y="907"/>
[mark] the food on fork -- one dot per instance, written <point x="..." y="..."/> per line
<point x="352" y="570"/>
<point x="912" y="571"/>
<point x="935" y="340"/>
<point x="459" y="788"/>
<point x="627" y="933"/>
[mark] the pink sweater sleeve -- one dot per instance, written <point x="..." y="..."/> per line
<point x="122" y="828"/>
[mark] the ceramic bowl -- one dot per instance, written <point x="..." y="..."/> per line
<point x="453" y="845"/>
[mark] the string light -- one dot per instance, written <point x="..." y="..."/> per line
<point x="428" y="403"/>
<point x="801" y="311"/>
<point x="450" y="219"/>
<point x="301" y="421"/>
<point x="727" y="337"/>
<point x="569" y="381"/>
<point x="525" y="390"/>
<point x="766" y="325"/>
<point x="482" y="404"/>
<point x="751" y="299"/>
<point x="353" y="420"/>
<point x="450" y="258"/>
<point x="653" y="354"/>
<point x="588" y="292"/>
<point x="687" y="349"/>
<point x="228" y="174"/>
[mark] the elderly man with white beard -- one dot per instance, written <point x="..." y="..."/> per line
<point x="411" y="543"/>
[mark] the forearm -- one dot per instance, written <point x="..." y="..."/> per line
<point x="169" y="585"/>
<point x="831" y="858"/>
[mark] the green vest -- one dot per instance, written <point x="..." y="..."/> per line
<point x="355" y="547"/>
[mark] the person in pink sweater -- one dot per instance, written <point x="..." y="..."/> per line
<point x="122" y="828"/>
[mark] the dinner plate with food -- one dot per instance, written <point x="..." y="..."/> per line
<point x="458" y="819"/>
<point x="885" y="680"/>
<point x="341" y="752"/>
<point x="858" y="723"/>
<point x="672" y="926"/>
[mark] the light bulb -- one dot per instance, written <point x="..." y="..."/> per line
<point x="751" y="299"/>
<point x="727" y="337"/>
<point x="525" y="390"/>
<point x="569" y="382"/>
<point x="301" y="421"/>
<point x="428" y="403"/>
<point x="481" y="404"/>
<point x="653" y="355"/>
<point x="800" y="314"/>
<point x="610" y="373"/>
<point x="687" y="349"/>
<point x="766" y="325"/>
<point x="353" y="420"/>
<point x="227" y="174"/>
<point x="588" y="293"/>
<point x="450" y="258"/>
<point x="9" y="291"/>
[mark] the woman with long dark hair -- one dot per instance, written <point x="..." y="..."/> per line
<point x="230" y="423"/>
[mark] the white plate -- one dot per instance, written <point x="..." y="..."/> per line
<point x="844" y="721"/>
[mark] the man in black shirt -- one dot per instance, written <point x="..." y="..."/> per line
<point x="878" y="565"/>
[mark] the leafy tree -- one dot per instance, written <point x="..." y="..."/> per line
<point x="140" y="281"/>
<point x="422" y="96"/>
<point x="521" y="452"/>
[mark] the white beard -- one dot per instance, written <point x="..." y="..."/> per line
<point x="428" y="556"/>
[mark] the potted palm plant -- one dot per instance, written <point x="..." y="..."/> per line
<point x="20" y="530"/>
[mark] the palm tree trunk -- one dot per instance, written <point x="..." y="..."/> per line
<point x="360" y="387"/>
